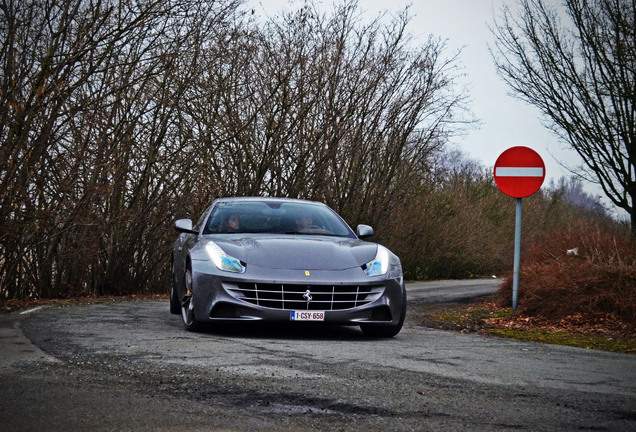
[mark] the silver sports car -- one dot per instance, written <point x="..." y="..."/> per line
<point x="273" y="259"/>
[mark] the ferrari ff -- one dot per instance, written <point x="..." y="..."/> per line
<point x="284" y="260"/>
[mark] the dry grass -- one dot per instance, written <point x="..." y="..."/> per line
<point x="596" y="283"/>
<point x="487" y="317"/>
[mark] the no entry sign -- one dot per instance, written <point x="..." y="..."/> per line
<point x="519" y="172"/>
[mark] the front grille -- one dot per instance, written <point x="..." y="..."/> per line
<point x="290" y="296"/>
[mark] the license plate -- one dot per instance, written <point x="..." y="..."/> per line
<point x="307" y="315"/>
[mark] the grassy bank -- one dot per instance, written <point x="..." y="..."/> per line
<point x="604" y="332"/>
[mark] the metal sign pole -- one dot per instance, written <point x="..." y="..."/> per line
<point x="517" y="259"/>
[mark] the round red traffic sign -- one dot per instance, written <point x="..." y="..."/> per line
<point x="519" y="172"/>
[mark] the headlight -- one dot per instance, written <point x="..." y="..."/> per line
<point x="380" y="263"/>
<point x="222" y="260"/>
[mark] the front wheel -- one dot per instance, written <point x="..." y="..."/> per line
<point x="386" y="331"/>
<point x="187" y="306"/>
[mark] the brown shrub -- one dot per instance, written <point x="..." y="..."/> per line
<point x="599" y="279"/>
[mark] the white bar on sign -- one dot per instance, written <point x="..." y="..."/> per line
<point x="519" y="172"/>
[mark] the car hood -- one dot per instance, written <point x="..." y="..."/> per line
<point x="298" y="252"/>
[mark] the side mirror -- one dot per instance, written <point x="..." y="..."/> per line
<point x="184" y="226"/>
<point x="364" y="231"/>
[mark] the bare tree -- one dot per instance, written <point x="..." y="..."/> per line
<point x="91" y="138"/>
<point x="49" y="52"/>
<point x="325" y="106"/>
<point x="118" y="116"/>
<point x="579" y="69"/>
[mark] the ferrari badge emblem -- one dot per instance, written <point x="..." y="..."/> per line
<point x="306" y="272"/>
<point x="307" y="296"/>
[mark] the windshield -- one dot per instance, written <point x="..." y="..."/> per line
<point x="275" y="217"/>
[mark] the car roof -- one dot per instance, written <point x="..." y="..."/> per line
<point x="267" y="199"/>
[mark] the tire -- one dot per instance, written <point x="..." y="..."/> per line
<point x="386" y="331"/>
<point x="175" y="304"/>
<point x="187" y="306"/>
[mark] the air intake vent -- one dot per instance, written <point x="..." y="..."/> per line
<point x="305" y="297"/>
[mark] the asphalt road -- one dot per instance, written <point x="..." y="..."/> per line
<point x="451" y="290"/>
<point x="130" y="366"/>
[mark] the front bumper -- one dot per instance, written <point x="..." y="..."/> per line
<point x="218" y="297"/>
